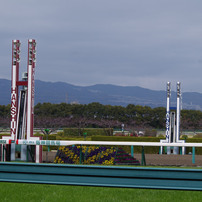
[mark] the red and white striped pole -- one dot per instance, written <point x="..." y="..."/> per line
<point x="30" y="97"/>
<point x="14" y="87"/>
<point x="14" y="98"/>
<point x="30" y="89"/>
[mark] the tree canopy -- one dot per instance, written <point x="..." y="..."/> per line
<point x="98" y="115"/>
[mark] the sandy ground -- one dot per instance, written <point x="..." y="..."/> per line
<point x="170" y="160"/>
<point x="152" y="159"/>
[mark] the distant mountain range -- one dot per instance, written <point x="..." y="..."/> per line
<point x="107" y="94"/>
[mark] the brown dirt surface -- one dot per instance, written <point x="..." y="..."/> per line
<point x="170" y="160"/>
<point x="153" y="159"/>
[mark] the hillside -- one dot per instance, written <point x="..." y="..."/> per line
<point x="58" y="92"/>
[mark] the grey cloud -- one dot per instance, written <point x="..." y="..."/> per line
<point x="123" y="42"/>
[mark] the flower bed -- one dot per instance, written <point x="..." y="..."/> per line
<point x="124" y="158"/>
<point x="93" y="155"/>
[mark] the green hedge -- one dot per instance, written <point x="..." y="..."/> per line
<point x="50" y="137"/>
<point x="126" y="139"/>
<point x="198" y="150"/>
<point x="137" y="149"/>
<point x="148" y="150"/>
<point x="4" y="134"/>
<point x="90" y="131"/>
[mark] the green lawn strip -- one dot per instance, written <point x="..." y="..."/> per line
<point x="43" y="192"/>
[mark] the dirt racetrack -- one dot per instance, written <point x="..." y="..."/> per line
<point x="170" y="160"/>
<point x="152" y="159"/>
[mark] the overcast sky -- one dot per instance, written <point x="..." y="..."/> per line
<point x="124" y="42"/>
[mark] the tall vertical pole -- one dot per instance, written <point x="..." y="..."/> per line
<point x="14" y="87"/>
<point x="30" y="89"/>
<point x="168" y="113"/>
<point x="178" y="111"/>
<point x="168" y="88"/>
<point x="177" y="134"/>
<point x="30" y="97"/>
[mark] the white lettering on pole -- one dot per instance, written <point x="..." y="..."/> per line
<point x="32" y="90"/>
<point x="13" y="111"/>
<point x="167" y="124"/>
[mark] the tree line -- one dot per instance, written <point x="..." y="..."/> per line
<point x="98" y="115"/>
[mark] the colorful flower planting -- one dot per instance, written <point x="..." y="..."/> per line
<point x="123" y="158"/>
<point x="93" y="155"/>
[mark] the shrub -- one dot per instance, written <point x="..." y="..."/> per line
<point x="150" y="133"/>
<point x="137" y="149"/>
<point x="184" y="137"/>
<point x="198" y="150"/>
<point x="37" y="134"/>
<point x="199" y="135"/>
<point x="89" y="131"/>
<point x="51" y="137"/>
<point x="4" y="135"/>
<point x="119" y="134"/>
<point x="60" y="134"/>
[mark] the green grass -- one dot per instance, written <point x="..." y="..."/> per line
<point x="42" y="192"/>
